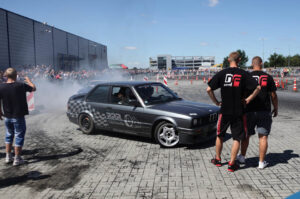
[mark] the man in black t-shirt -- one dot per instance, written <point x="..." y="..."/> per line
<point x="259" y="113"/>
<point x="13" y="99"/>
<point x="233" y="82"/>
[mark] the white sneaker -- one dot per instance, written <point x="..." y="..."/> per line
<point x="262" y="165"/>
<point x="18" y="161"/>
<point x="241" y="159"/>
<point x="9" y="159"/>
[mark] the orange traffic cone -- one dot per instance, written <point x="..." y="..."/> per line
<point x="176" y="82"/>
<point x="282" y="84"/>
<point x="295" y="85"/>
<point x="276" y="83"/>
<point x="191" y="81"/>
<point x="204" y="80"/>
<point x="196" y="77"/>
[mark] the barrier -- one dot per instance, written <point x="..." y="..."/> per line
<point x="165" y="81"/>
<point x="295" y="85"/>
<point x="30" y="101"/>
<point x="276" y="83"/>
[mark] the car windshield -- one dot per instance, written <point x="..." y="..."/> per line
<point x="155" y="94"/>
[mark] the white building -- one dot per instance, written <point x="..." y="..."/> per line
<point x="169" y="62"/>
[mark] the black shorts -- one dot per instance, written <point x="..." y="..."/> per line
<point x="262" y="120"/>
<point x="238" y="126"/>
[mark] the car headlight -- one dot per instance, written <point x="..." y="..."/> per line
<point x="195" y="122"/>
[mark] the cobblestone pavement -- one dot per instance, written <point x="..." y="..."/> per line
<point x="64" y="163"/>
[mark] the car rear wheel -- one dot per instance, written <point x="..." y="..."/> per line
<point x="86" y="124"/>
<point x="166" y="135"/>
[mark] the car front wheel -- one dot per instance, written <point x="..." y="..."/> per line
<point x="86" y="124"/>
<point x="166" y="135"/>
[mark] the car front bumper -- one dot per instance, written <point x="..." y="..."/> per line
<point x="197" y="135"/>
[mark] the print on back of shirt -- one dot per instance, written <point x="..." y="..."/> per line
<point x="235" y="79"/>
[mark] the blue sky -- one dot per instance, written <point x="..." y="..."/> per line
<point x="134" y="30"/>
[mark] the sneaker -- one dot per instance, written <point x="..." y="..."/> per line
<point x="232" y="167"/>
<point x="18" y="161"/>
<point x="262" y="165"/>
<point x="9" y="159"/>
<point x="241" y="159"/>
<point x="216" y="162"/>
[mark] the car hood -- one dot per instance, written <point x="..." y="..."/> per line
<point x="188" y="108"/>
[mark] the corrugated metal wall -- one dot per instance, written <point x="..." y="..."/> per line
<point x="4" y="59"/>
<point x="43" y="44"/>
<point x="83" y="52"/>
<point x="29" y="42"/>
<point x="21" y="41"/>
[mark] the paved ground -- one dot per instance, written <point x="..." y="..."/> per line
<point x="64" y="163"/>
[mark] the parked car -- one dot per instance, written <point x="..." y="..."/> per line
<point x="146" y="109"/>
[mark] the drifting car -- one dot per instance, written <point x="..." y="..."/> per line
<point x="147" y="109"/>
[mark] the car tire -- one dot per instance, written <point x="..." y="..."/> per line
<point x="165" y="135"/>
<point x="86" y="124"/>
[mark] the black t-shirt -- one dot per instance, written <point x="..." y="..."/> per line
<point x="13" y="96"/>
<point x="262" y="102"/>
<point x="233" y="83"/>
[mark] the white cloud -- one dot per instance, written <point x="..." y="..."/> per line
<point x="213" y="3"/>
<point x="203" y="44"/>
<point x="130" y="48"/>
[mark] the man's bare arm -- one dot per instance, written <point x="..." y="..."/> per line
<point x="274" y="100"/>
<point x="28" y="81"/>
<point x="212" y="96"/>
<point x="253" y="95"/>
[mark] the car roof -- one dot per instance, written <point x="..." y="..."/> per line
<point x="127" y="83"/>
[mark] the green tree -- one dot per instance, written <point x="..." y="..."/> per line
<point x="244" y="58"/>
<point x="277" y="60"/>
<point x="266" y="64"/>
<point x="295" y="60"/>
<point x="242" y="63"/>
<point x="225" y="62"/>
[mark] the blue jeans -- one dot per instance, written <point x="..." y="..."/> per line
<point x="15" y="127"/>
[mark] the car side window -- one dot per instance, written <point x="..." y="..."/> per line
<point x="122" y="95"/>
<point x="100" y="95"/>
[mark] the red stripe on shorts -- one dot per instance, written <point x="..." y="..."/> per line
<point x="219" y="124"/>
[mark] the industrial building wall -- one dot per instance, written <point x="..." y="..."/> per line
<point x="4" y="58"/>
<point x="29" y="42"/>
<point x="83" y="52"/>
<point x="21" y="41"/>
<point x="43" y="44"/>
<point x="60" y="47"/>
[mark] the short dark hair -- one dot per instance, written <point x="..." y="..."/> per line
<point x="234" y="56"/>
<point x="256" y="60"/>
<point x="11" y="73"/>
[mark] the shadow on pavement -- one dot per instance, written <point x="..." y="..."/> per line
<point x="272" y="159"/>
<point x="202" y="145"/>
<point x="207" y="144"/>
<point x="38" y="158"/>
<point x="33" y="175"/>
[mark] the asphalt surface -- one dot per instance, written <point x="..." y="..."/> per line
<point x="64" y="163"/>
